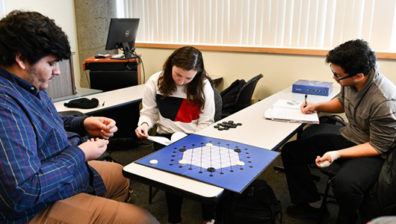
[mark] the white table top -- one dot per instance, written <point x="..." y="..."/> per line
<point x="81" y="92"/>
<point x="255" y="130"/>
<point x="186" y="184"/>
<point x="108" y="99"/>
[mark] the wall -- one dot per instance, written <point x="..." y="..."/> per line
<point x="63" y="14"/>
<point x="93" y="20"/>
<point x="279" y="71"/>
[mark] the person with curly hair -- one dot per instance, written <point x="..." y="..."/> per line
<point x="48" y="175"/>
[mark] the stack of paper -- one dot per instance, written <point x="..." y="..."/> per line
<point x="289" y="111"/>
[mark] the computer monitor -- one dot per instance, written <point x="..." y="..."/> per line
<point x="122" y="34"/>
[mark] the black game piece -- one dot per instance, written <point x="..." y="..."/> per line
<point x="225" y="125"/>
<point x="211" y="169"/>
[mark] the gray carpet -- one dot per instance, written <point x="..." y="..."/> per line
<point x="125" y="151"/>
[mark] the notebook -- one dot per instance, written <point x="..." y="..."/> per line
<point x="289" y="111"/>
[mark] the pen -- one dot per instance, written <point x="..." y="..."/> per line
<point x="305" y="100"/>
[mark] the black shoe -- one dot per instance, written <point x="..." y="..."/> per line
<point x="305" y="212"/>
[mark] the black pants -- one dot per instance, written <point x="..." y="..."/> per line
<point x="174" y="201"/>
<point x="352" y="181"/>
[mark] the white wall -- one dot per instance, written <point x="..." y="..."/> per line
<point x="279" y="71"/>
<point x="62" y="11"/>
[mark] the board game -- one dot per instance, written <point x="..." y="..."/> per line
<point x="227" y="164"/>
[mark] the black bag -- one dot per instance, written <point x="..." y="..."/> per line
<point x="230" y="95"/>
<point x="257" y="204"/>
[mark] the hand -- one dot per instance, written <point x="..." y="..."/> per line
<point x="327" y="159"/>
<point x="142" y="131"/>
<point x="93" y="148"/>
<point x="308" y="108"/>
<point x="100" y="126"/>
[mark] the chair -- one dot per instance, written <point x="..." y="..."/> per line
<point x="218" y="105"/>
<point x="328" y="125"/>
<point x="381" y="198"/>
<point x="244" y="96"/>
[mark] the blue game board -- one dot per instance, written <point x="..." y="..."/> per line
<point x="227" y="164"/>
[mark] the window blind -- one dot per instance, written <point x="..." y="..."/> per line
<point x="312" y="24"/>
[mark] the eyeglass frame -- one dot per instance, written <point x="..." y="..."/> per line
<point x="337" y="75"/>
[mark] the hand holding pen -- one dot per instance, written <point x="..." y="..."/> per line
<point x="307" y="108"/>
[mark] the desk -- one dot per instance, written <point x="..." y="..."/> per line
<point x="258" y="131"/>
<point x="81" y="92"/>
<point x="122" y="105"/>
<point x="108" y="74"/>
<point x="109" y="99"/>
<point x="255" y="130"/>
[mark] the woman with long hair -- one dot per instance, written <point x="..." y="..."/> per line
<point x="178" y="99"/>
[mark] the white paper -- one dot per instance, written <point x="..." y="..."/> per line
<point x="165" y="141"/>
<point x="289" y="111"/>
<point x="159" y="139"/>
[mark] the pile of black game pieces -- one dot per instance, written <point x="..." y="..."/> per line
<point x="225" y="125"/>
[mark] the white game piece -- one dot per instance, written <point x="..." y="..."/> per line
<point x="209" y="144"/>
<point x="240" y="163"/>
<point x="325" y="164"/>
<point x="182" y="161"/>
<point x="153" y="161"/>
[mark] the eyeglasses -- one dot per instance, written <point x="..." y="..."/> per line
<point x="338" y="77"/>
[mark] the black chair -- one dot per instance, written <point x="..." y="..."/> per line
<point x="328" y="125"/>
<point x="381" y="198"/>
<point x="218" y="105"/>
<point x="244" y="97"/>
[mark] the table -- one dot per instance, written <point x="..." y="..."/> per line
<point x="81" y="92"/>
<point x="255" y="130"/>
<point x="107" y="100"/>
<point x="122" y="105"/>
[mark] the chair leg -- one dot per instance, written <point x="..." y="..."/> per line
<point x="324" y="200"/>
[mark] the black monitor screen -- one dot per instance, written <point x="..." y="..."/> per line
<point x="122" y="34"/>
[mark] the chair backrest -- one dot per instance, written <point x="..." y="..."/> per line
<point x="244" y="97"/>
<point x="218" y="104"/>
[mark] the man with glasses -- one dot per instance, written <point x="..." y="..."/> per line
<point x="369" y="101"/>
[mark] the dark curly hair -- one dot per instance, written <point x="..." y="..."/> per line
<point x="187" y="58"/>
<point x="32" y="35"/>
<point x="354" y="56"/>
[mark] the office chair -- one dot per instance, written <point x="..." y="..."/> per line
<point x="244" y="97"/>
<point x="328" y="125"/>
<point x="218" y="105"/>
